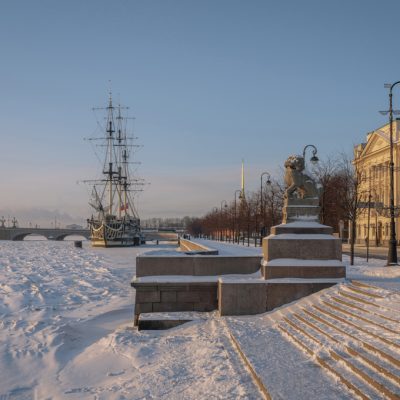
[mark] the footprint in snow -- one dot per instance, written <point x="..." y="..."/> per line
<point x="115" y="373"/>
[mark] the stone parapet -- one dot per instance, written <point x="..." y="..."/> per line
<point x="241" y="297"/>
<point x="196" y="265"/>
<point x="159" y="296"/>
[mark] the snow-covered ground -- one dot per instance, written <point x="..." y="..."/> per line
<point x="66" y="329"/>
<point x="66" y="332"/>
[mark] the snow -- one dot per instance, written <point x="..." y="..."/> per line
<point x="290" y="372"/>
<point x="231" y="249"/>
<point x="176" y="279"/>
<point x="375" y="272"/>
<point x="193" y="278"/>
<point x="306" y="280"/>
<point x="179" y="315"/>
<point x="303" y="224"/>
<point x="248" y="278"/>
<point x="66" y="331"/>
<point x="301" y="263"/>
<point x="302" y="236"/>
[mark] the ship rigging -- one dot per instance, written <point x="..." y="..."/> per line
<point x="115" y="221"/>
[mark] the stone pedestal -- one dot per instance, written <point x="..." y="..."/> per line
<point x="301" y="247"/>
<point x="301" y="209"/>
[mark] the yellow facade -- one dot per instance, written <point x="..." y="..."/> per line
<point x="371" y="160"/>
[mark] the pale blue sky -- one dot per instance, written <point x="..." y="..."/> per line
<point x="209" y="82"/>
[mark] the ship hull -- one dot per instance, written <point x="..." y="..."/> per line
<point x="117" y="234"/>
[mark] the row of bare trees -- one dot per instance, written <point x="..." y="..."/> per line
<point x="251" y="217"/>
<point x="243" y="217"/>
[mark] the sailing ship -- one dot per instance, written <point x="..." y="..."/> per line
<point x="115" y="222"/>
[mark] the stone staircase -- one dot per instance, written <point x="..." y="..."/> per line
<point x="352" y="331"/>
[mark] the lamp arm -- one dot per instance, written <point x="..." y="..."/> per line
<point x="314" y="152"/>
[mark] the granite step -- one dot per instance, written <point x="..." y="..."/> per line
<point x="295" y="268"/>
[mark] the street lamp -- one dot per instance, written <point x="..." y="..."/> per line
<point x="392" y="253"/>
<point x="314" y="159"/>
<point x="234" y="223"/>
<point x="225" y="206"/>
<point x="261" y="197"/>
<point x="215" y="211"/>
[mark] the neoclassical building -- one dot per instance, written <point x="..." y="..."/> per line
<point x="371" y="160"/>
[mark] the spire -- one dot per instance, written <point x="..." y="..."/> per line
<point x="242" y="185"/>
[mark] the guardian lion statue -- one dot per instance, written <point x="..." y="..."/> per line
<point x="297" y="182"/>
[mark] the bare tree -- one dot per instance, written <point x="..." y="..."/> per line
<point x="274" y="195"/>
<point x="349" y="188"/>
<point x="328" y="174"/>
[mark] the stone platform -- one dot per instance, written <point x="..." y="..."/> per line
<point x="302" y="249"/>
<point x="300" y="257"/>
<point x="185" y="283"/>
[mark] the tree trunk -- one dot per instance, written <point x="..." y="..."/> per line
<point x="352" y="241"/>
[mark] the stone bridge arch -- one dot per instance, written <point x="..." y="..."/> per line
<point x="19" y="234"/>
<point x="22" y="235"/>
<point x="62" y="236"/>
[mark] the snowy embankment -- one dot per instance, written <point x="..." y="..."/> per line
<point x="66" y="332"/>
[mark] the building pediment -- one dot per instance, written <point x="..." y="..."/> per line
<point x="377" y="141"/>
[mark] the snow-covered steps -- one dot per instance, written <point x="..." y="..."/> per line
<point x="355" y="341"/>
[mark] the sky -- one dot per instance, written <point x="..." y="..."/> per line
<point x="209" y="83"/>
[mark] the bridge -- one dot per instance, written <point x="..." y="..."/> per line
<point x="14" y="233"/>
<point x="49" y="233"/>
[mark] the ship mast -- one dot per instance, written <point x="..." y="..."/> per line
<point x="110" y="137"/>
<point x="122" y="145"/>
<point x="117" y="223"/>
<point x="117" y="181"/>
<point x="119" y="142"/>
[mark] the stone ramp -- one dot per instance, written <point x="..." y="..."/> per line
<point x="348" y="334"/>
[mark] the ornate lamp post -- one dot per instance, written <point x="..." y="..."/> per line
<point x="261" y="196"/>
<point x="392" y="253"/>
<point x="225" y="206"/>
<point x="314" y="159"/>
